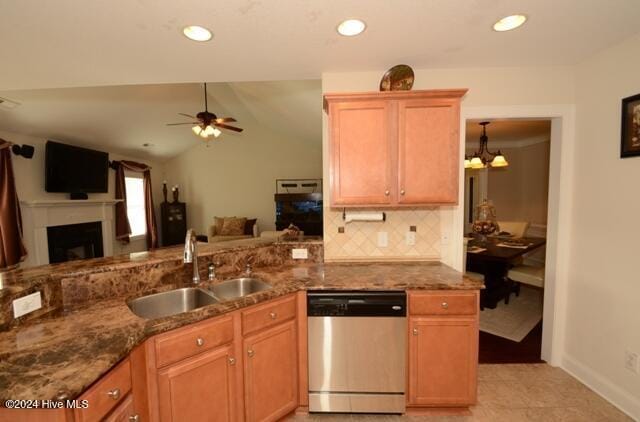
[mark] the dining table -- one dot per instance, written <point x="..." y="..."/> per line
<point x="493" y="258"/>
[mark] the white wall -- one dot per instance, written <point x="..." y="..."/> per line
<point x="603" y="315"/>
<point x="487" y="87"/>
<point x="29" y="175"/>
<point x="236" y="174"/>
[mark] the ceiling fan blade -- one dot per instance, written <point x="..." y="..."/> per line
<point x="223" y="126"/>
<point x="187" y="123"/>
<point x="187" y="115"/>
<point x="225" y="120"/>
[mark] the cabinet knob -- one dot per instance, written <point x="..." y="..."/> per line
<point x="134" y="418"/>
<point x="114" y="394"/>
<point x="250" y="352"/>
<point x="386" y="193"/>
<point x="415" y="331"/>
<point x="273" y="315"/>
<point x="232" y="361"/>
<point x="445" y="305"/>
<point x="402" y="192"/>
<point x="200" y="341"/>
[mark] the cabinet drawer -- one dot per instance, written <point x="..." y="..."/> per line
<point x="443" y="303"/>
<point x="185" y="342"/>
<point x="268" y="314"/>
<point x="108" y="392"/>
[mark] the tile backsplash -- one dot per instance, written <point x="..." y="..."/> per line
<point x="360" y="239"/>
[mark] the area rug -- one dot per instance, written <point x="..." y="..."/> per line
<point x="515" y="320"/>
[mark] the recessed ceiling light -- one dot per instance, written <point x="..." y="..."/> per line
<point x="509" y="22"/>
<point x="351" y="27"/>
<point x="197" y="33"/>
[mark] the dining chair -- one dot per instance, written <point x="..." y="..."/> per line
<point x="471" y="274"/>
<point x="515" y="228"/>
<point x="526" y="274"/>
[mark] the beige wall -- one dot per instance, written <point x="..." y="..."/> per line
<point x="603" y="315"/>
<point x="29" y="176"/>
<point x="520" y="191"/>
<point x="236" y="175"/>
<point x="487" y="87"/>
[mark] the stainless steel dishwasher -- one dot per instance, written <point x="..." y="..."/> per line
<point x="357" y="351"/>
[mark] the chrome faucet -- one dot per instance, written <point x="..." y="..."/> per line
<point x="191" y="254"/>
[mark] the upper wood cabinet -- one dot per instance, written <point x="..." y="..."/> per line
<point x="394" y="149"/>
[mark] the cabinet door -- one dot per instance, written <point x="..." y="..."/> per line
<point x="361" y="153"/>
<point x="443" y="360"/>
<point x="124" y="412"/>
<point x="201" y="388"/>
<point x="270" y="373"/>
<point x="428" y="161"/>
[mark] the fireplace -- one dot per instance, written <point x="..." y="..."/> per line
<point x="75" y="241"/>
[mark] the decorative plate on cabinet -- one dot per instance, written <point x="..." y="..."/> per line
<point x="398" y="78"/>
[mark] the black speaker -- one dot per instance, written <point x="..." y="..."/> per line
<point x="25" y="151"/>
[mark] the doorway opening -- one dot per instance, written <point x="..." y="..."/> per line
<point x="510" y="257"/>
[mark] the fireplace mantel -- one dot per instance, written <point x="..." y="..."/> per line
<point x="37" y="215"/>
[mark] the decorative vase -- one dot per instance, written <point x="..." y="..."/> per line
<point x="485" y="221"/>
<point x="176" y="193"/>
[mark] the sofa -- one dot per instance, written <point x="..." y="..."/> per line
<point x="214" y="234"/>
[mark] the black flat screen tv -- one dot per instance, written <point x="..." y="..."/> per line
<point x="75" y="170"/>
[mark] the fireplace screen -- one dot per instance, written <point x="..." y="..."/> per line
<point x="75" y="241"/>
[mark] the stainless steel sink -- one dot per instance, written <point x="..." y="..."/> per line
<point x="171" y="303"/>
<point x="239" y="287"/>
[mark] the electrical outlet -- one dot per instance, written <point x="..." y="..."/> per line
<point x="301" y="253"/>
<point x="631" y="361"/>
<point x="383" y="239"/>
<point x="410" y="238"/>
<point x="27" y="304"/>
<point x="444" y="238"/>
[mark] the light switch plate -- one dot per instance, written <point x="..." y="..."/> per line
<point x="27" y="304"/>
<point x="383" y="239"/>
<point x="410" y="238"/>
<point x="301" y="253"/>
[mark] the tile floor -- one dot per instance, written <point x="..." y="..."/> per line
<point x="513" y="393"/>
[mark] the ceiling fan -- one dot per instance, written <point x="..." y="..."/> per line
<point x="207" y="123"/>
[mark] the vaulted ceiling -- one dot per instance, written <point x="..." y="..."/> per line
<point x="63" y="43"/>
<point x="123" y="118"/>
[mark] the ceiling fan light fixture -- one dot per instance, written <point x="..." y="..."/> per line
<point x="216" y="132"/>
<point x="509" y="23"/>
<point x="351" y="27"/>
<point x="197" y="33"/>
<point x="196" y="129"/>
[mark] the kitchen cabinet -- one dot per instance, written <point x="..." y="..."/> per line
<point x="394" y="149"/>
<point x="271" y="373"/>
<point x="124" y="412"/>
<point x="443" y="349"/>
<point x="201" y="388"/>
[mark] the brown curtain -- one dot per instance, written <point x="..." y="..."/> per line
<point x="123" y="230"/>
<point x="12" y="249"/>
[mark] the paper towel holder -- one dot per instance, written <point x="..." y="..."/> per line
<point x="344" y="215"/>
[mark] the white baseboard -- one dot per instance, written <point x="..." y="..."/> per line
<point x="605" y="388"/>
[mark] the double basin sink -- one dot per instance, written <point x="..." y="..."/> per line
<point x="174" y="302"/>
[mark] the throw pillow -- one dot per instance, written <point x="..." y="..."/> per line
<point x="219" y="222"/>
<point x="233" y="226"/>
<point x="248" y="227"/>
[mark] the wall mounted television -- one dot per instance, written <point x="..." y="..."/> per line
<point x="75" y="170"/>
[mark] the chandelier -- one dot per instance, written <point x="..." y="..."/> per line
<point x="483" y="157"/>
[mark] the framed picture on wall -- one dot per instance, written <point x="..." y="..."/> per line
<point x="630" y="133"/>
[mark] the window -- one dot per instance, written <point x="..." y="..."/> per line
<point x="134" y="186"/>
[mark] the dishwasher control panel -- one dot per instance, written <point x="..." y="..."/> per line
<point x="356" y="303"/>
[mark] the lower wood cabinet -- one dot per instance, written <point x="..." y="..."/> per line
<point x="201" y="388"/>
<point x="271" y="373"/>
<point x="443" y="349"/>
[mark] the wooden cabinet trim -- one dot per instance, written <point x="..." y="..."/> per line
<point x="189" y="341"/>
<point x="102" y="396"/>
<point x="268" y="314"/>
<point x="332" y="97"/>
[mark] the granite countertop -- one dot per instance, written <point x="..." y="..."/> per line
<point x="71" y="349"/>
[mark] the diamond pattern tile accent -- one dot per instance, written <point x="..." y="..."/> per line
<point x="359" y="240"/>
